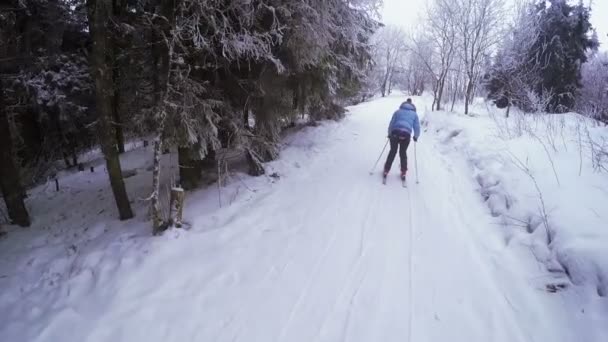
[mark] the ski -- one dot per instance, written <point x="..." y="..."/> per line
<point x="403" y="181"/>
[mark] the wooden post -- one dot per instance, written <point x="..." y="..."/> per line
<point x="177" y="206"/>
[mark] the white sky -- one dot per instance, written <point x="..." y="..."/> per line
<point x="406" y="13"/>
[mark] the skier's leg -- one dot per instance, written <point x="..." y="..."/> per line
<point x="403" y="145"/>
<point x="391" y="154"/>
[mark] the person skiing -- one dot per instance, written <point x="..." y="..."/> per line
<point x="403" y="123"/>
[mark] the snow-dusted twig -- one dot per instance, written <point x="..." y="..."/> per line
<point x="548" y="154"/>
<point x="243" y="182"/>
<point x="580" y="147"/>
<point x="543" y="208"/>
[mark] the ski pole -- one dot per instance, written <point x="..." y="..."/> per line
<point x="416" y="162"/>
<point x="379" y="157"/>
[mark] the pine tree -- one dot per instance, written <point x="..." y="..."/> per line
<point x="100" y="12"/>
<point x="538" y="67"/>
<point x="10" y="183"/>
<point x="561" y="48"/>
<point x="199" y="75"/>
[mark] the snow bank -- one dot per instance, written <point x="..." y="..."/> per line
<point x="543" y="177"/>
<point x="58" y="275"/>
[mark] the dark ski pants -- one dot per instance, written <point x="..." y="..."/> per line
<point x="400" y="141"/>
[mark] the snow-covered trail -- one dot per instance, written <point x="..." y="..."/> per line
<point x="329" y="255"/>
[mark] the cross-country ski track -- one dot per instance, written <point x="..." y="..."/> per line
<point x="328" y="253"/>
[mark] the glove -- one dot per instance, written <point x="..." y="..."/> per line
<point x="415" y="139"/>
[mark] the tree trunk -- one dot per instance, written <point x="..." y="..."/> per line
<point x="66" y="160"/>
<point x="74" y="157"/>
<point x="99" y="16"/>
<point x="157" y="217"/>
<point x="256" y="168"/>
<point x="209" y="162"/>
<point x="10" y="183"/>
<point x="190" y="167"/>
<point x="435" y="90"/>
<point x="385" y="83"/>
<point x="162" y="63"/>
<point x="440" y="86"/>
<point x="468" y="96"/>
<point x="117" y="122"/>
<point x="456" y="86"/>
<point x="118" y="10"/>
<point x="246" y="117"/>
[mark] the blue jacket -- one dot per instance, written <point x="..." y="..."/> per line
<point x="405" y="119"/>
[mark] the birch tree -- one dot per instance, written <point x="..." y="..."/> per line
<point x="479" y="27"/>
<point x="423" y="55"/>
<point x="440" y="28"/>
<point x="391" y="49"/>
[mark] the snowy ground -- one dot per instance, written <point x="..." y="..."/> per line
<point x="325" y="253"/>
<point x="544" y="177"/>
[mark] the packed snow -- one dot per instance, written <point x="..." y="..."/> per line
<point x="322" y="251"/>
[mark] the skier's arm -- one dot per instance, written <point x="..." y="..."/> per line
<point x="390" y="126"/>
<point x="416" y="127"/>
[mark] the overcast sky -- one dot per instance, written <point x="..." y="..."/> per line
<point x="407" y="13"/>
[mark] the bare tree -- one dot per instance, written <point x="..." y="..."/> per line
<point x="416" y="78"/>
<point x="479" y="27"/>
<point x="440" y="29"/>
<point x="455" y="80"/>
<point x="422" y="54"/>
<point x="390" y="51"/>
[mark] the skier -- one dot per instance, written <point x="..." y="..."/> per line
<point x="404" y="122"/>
